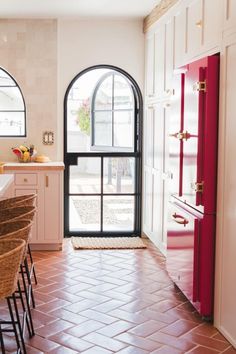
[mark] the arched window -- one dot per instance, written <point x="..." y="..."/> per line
<point x="112" y="114"/>
<point x="12" y="107"/>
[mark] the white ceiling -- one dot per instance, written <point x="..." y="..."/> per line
<point x="76" y="8"/>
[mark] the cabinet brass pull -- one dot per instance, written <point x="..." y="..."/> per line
<point x="199" y="23"/>
<point x="179" y="219"/>
<point x="46" y="181"/>
<point x="25" y="180"/>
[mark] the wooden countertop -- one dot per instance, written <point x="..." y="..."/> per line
<point x="5" y="182"/>
<point x="31" y="166"/>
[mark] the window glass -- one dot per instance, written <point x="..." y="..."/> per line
<point x="123" y="95"/>
<point x="104" y="95"/>
<point x="12" y="107"/>
<point x="103" y="128"/>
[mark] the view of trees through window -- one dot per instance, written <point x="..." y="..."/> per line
<point x="100" y="112"/>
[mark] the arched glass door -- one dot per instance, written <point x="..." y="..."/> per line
<point x="102" y="154"/>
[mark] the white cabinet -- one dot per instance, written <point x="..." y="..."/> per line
<point x="149" y="66"/>
<point x="169" y="56"/>
<point x="155" y="154"/>
<point x="230" y="14"/>
<point x="179" y="37"/>
<point x="52" y="202"/>
<point x="194" y="28"/>
<point x="203" y="29"/>
<point x="47" y="183"/>
<point x="211" y="24"/>
<point x="225" y="280"/>
<point x="159" y="61"/>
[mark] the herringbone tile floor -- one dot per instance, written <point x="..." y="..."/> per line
<point x="114" y="301"/>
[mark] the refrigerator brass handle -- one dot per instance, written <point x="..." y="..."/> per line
<point x="181" y="135"/>
<point x="198" y="186"/>
<point x="46" y="181"/>
<point x="179" y="219"/>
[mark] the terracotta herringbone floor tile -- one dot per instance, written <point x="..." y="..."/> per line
<point x="113" y="301"/>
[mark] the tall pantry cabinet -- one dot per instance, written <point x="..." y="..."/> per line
<point x="159" y="68"/>
<point x="225" y="280"/>
<point x="190" y="30"/>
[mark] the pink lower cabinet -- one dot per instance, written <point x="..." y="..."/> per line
<point x="46" y="180"/>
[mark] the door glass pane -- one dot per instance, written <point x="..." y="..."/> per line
<point x="123" y="128"/>
<point x="123" y="95"/>
<point x="86" y="176"/>
<point x="84" y="213"/>
<point x="103" y="128"/>
<point x="12" y="123"/>
<point x="103" y="98"/>
<point x="78" y="110"/>
<point x="118" y="213"/>
<point x="119" y="175"/>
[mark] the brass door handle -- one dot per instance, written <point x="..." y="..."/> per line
<point x="179" y="219"/>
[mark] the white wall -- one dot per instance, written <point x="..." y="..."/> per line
<point x="84" y="43"/>
<point x="28" y="51"/>
<point x="45" y="55"/>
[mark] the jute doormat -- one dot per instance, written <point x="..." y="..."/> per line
<point x="107" y="242"/>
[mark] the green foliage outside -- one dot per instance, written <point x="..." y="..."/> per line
<point x="83" y="117"/>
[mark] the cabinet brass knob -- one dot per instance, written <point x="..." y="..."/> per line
<point x="25" y="180"/>
<point x="199" y="23"/>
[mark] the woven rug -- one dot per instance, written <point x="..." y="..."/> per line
<point x="107" y="242"/>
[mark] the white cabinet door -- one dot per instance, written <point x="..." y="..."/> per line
<point x="148" y="201"/>
<point x="230" y="14"/>
<point x="158" y="129"/>
<point x="149" y="65"/>
<point x="159" y="61"/>
<point x="148" y="137"/>
<point x="52" y="207"/>
<point x="157" y="213"/>
<point x="194" y="28"/>
<point x="34" y="232"/>
<point x="179" y="37"/>
<point x="211" y="23"/>
<point x="169" y="56"/>
<point x="226" y="240"/>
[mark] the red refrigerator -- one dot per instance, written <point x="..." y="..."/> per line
<point x="193" y="165"/>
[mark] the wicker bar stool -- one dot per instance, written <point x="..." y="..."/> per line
<point x="17" y="214"/>
<point x="21" y="229"/>
<point x="11" y="252"/>
<point x="22" y="201"/>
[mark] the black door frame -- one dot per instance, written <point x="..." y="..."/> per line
<point x="71" y="159"/>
